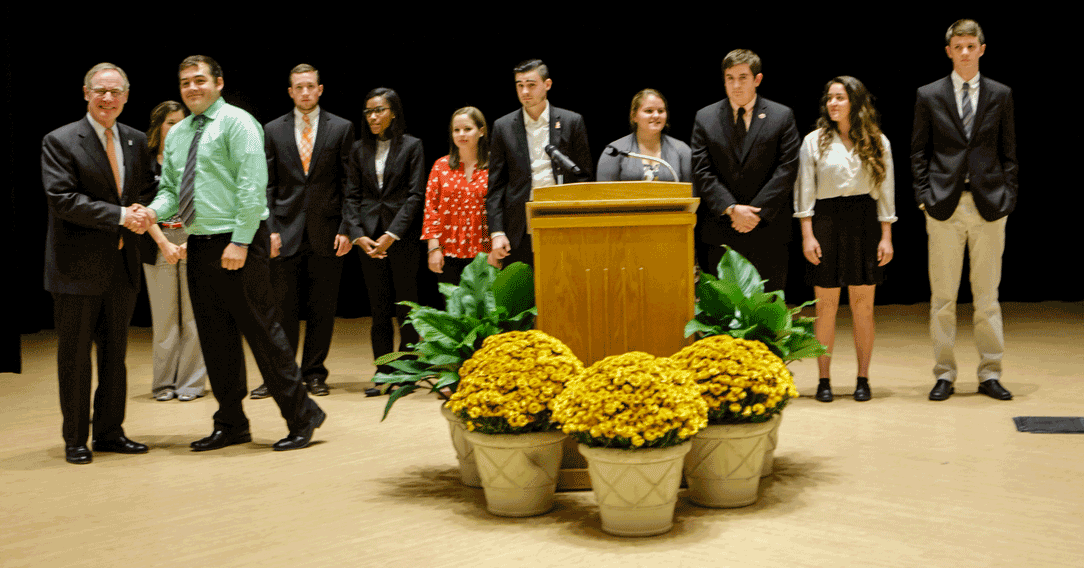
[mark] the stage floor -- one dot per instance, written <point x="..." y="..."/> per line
<point x="894" y="482"/>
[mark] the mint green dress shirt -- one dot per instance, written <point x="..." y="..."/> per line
<point x="231" y="173"/>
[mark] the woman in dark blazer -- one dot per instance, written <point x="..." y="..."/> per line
<point x="648" y="118"/>
<point x="385" y="188"/>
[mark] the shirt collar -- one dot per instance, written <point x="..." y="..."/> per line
<point x="544" y="117"/>
<point x="748" y="108"/>
<point x="100" y="130"/>
<point x="212" y="110"/>
<point x="314" y="115"/>
<point x="958" y="81"/>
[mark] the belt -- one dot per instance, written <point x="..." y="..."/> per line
<point x="172" y="224"/>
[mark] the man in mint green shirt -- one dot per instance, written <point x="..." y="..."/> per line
<point x="214" y="176"/>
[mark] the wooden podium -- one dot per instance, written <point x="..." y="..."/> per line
<point x="613" y="265"/>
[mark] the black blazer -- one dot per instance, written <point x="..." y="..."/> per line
<point x="370" y="210"/>
<point x="313" y="202"/>
<point x="941" y="156"/>
<point x="84" y="208"/>
<point x="761" y="173"/>
<point x="510" y="167"/>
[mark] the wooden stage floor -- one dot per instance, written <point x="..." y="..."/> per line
<point x="895" y="482"/>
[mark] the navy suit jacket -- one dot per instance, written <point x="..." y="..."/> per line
<point x="761" y="173"/>
<point x="942" y="156"/>
<point x="510" y="167"/>
<point x="84" y="208"/>
<point x="372" y="210"/>
<point x="312" y="203"/>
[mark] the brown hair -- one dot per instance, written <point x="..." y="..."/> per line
<point x="158" y="117"/>
<point x="964" y="28"/>
<point x="742" y="56"/>
<point x="483" y="143"/>
<point x="864" y="133"/>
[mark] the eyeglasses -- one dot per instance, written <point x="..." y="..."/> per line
<point x="103" y="92"/>
<point x="372" y="111"/>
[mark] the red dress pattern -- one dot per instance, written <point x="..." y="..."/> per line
<point x="455" y="210"/>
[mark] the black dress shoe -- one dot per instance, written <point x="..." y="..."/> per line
<point x="120" y="445"/>
<point x="861" y="390"/>
<point x="824" y="390"/>
<point x="301" y="438"/>
<point x="942" y="390"/>
<point x="317" y="387"/>
<point x="220" y="439"/>
<point x="993" y="389"/>
<point x="79" y="455"/>
<point x="259" y="392"/>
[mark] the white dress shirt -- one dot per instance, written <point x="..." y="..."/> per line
<point x="839" y="173"/>
<point x="299" y="124"/>
<point x="972" y="91"/>
<point x="538" y="136"/>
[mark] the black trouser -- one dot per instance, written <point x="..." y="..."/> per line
<point x="320" y="275"/>
<point x="228" y="303"/>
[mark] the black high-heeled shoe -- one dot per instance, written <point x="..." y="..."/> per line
<point x="824" y="390"/>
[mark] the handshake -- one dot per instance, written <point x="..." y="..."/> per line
<point x="138" y="218"/>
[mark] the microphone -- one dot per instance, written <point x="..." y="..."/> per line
<point x="615" y="152"/>
<point x="563" y="160"/>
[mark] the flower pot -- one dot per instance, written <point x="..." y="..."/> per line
<point x="464" y="451"/>
<point x="518" y="471"/>
<point x="723" y="468"/>
<point x="769" y="451"/>
<point x="636" y="489"/>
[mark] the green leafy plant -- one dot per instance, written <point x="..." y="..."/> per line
<point x="486" y="302"/>
<point x="735" y="304"/>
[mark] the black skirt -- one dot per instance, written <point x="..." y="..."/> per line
<point x="848" y="232"/>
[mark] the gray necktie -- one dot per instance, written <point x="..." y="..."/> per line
<point x="186" y="209"/>
<point x="968" y="115"/>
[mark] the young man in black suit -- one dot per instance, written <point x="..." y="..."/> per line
<point x="307" y="151"/>
<point x="519" y="162"/>
<point x="745" y="161"/>
<point x="963" y="163"/>
<point x="93" y="170"/>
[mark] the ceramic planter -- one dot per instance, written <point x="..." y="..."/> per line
<point x="464" y="451"/>
<point x="773" y="441"/>
<point x="518" y="471"/>
<point x="724" y="465"/>
<point x="636" y="489"/>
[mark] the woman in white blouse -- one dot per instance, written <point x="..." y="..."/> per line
<point x="844" y="198"/>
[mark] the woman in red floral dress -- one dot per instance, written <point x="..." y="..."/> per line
<point x="455" y="228"/>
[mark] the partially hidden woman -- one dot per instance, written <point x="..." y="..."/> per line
<point x="845" y="200"/>
<point x="179" y="371"/>
<point x="454" y="226"/>
<point x="649" y="120"/>
<point x="385" y="187"/>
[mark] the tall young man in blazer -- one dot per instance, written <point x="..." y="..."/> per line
<point x="963" y="165"/>
<point x="745" y="161"/>
<point x="307" y="151"/>
<point x="93" y="170"/>
<point x="518" y="161"/>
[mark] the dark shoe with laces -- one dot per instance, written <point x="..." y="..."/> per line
<point x="942" y="390"/>
<point x="824" y="391"/>
<point x="861" y="390"/>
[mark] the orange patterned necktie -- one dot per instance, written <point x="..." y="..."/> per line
<point x="112" y="154"/>
<point x="306" y="143"/>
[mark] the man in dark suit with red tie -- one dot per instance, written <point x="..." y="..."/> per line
<point x="745" y="161"/>
<point x="93" y="170"/>
<point x="963" y="165"/>
<point x="307" y="152"/>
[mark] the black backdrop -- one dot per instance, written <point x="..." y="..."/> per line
<point x="596" y="65"/>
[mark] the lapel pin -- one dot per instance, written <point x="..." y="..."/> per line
<point x="557" y="125"/>
<point x="762" y="116"/>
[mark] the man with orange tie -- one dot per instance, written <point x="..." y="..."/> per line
<point x="307" y="151"/>
<point x="93" y="170"/>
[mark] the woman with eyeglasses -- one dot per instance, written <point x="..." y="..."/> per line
<point x="385" y="188"/>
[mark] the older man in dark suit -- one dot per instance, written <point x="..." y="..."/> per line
<point x="519" y="160"/>
<point x="93" y="170"/>
<point x="963" y="165"/>
<point x="745" y="161"/>
<point x="307" y="151"/>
